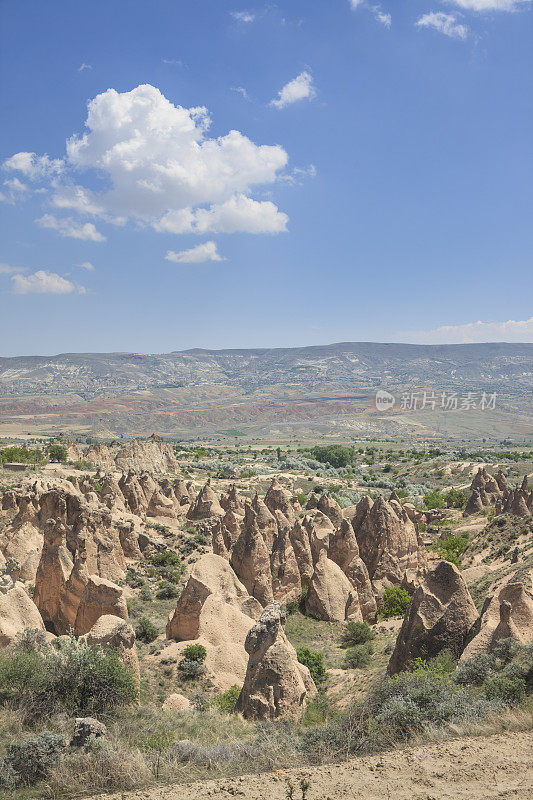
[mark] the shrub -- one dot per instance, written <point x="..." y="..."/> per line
<point x="434" y="500"/>
<point x="166" y="591"/>
<point x="314" y="661"/>
<point x="227" y="701"/>
<point x="395" y="602"/>
<point x="34" y="758"/>
<point x="145" y="594"/>
<point x="195" y="652"/>
<point x="511" y="691"/>
<point x="145" y="630"/>
<point x="452" y="548"/>
<point x="358" y="656"/>
<point x="191" y="669"/>
<point x="356" y="633"/>
<point x="475" y="671"/>
<point x="457" y="498"/>
<point x="76" y="679"/>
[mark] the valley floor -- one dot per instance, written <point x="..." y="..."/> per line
<point x="499" y="766"/>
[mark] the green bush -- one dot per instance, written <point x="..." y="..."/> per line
<point x="434" y="499"/>
<point x="191" y="668"/>
<point x="31" y="760"/>
<point x="195" y="652"/>
<point x="227" y="701"/>
<point x="314" y="661"/>
<point x="76" y="679"/>
<point x="58" y="452"/>
<point x="145" y="630"/>
<point x="356" y="633"/>
<point x="451" y="548"/>
<point x="166" y="591"/>
<point x="395" y="602"/>
<point x="475" y="671"/>
<point x="511" y="691"/>
<point x="457" y="498"/>
<point x="337" y="455"/>
<point x="358" y="656"/>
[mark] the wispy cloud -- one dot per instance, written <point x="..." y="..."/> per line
<point x="243" y="16"/>
<point x="86" y="265"/>
<point x="384" y="17"/>
<point x="8" y="269"/>
<point x="490" y="5"/>
<point x="510" y="331"/>
<point x="444" y="23"/>
<point x="196" y="255"/>
<point x="173" y="62"/>
<point x="71" y="228"/>
<point x="240" y="90"/>
<point x="300" y="88"/>
<point x="43" y="282"/>
<point x="84" y="66"/>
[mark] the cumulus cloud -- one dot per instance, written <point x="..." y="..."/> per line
<point x="71" y="228"/>
<point x="84" y="66"/>
<point x="33" y="166"/>
<point x="300" y="88"/>
<point x="510" y="331"/>
<point x="490" y="5"/>
<point x="43" y="282"/>
<point x="243" y="16"/>
<point x="356" y="3"/>
<point x="196" y="255"/>
<point x="444" y="23"/>
<point x="159" y="167"/>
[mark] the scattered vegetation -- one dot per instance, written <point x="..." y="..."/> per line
<point x="394" y="603"/>
<point x="314" y="661"/>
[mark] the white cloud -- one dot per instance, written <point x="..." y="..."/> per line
<point x="33" y="166"/>
<point x="356" y="3"/>
<point x="196" y="255"/>
<point x="7" y="269"/>
<point x="86" y="265"/>
<point x="173" y="62"/>
<point x="71" y="228"/>
<point x="84" y="66"/>
<point x="238" y="214"/>
<point x="157" y="164"/>
<point x="240" y="90"/>
<point x="43" y="282"/>
<point x="510" y="331"/>
<point x="444" y="23"/>
<point x="490" y="5"/>
<point x="384" y="18"/>
<point x="300" y="88"/>
<point x="243" y="16"/>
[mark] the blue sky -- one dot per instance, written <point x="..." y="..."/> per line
<point x="256" y="175"/>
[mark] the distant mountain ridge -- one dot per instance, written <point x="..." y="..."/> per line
<point x="341" y="367"/>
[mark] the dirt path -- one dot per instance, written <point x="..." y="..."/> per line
<point x="462" y="769"/>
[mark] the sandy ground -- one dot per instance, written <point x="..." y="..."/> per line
<point x="474" y="769"/>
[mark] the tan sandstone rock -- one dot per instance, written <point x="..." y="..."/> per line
<point x="439" y="617"/>
<point x="276" y="685"/>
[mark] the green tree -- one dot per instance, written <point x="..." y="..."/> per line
<point x="58" y="452"/>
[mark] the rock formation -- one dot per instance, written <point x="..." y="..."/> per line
<point x="17" y="613"/>
<point x="151" y="454"/>
<point x="439" y="617"/>
<point x="344" y="551"/>
<point x="100" y="597"/>
<point x="389" y="544"/>
<point x="506" y="615"/>
<point x="266" y="522"/>
<point x="286" y="581"/>
<point x="279" y="499"/>
<point x="330" y="595"/>
<point x="53" y="571"/>
<point x="302" y="551"/>
<point x="251" y="561"/>
<point x="206" y="504"/>
<point x="276" y="685"/>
